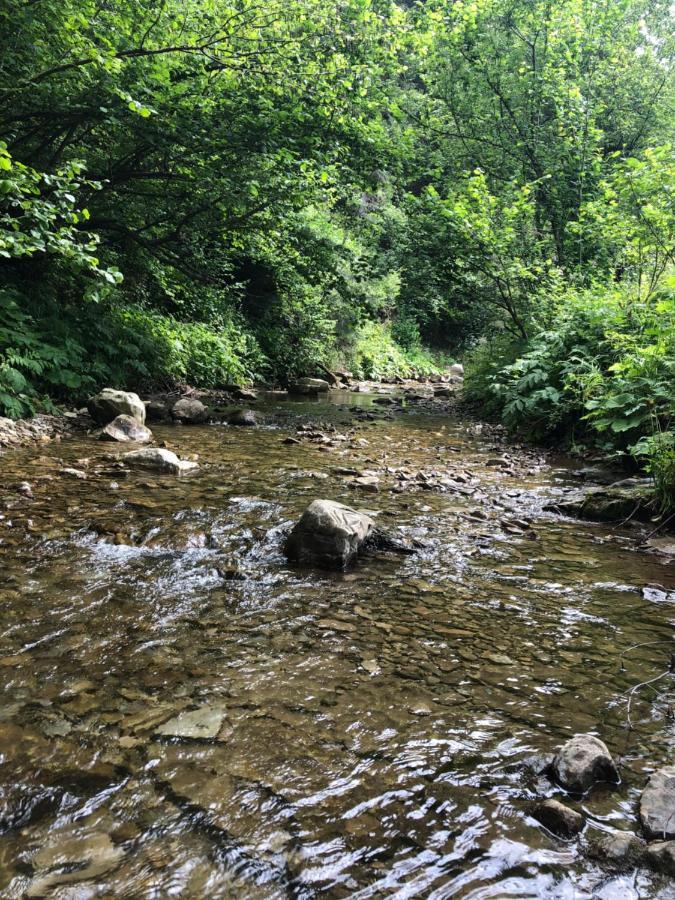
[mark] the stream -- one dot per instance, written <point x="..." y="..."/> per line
<point x="363" y="734"/>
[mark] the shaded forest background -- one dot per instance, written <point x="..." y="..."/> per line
<point x="208" y="191"/>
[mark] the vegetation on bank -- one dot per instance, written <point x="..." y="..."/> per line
<point x="225" y="190"/>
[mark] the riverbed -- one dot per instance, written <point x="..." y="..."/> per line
<point x="366" y="734"/>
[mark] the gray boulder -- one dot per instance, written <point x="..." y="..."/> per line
<point x="583" y="761"/>
<point x="108" y="404"/>
<point x="158" y="460"/>
<point x="558" y="818"/>
<point x="189" y="411"/>
<point x="242" y="417"/>
<point x="457" y="369"/>
<point x="309" y="386"/>
<point x="328" y="535"/>
<point x="126" y="428"/>
<point x="657" y="805"/>
<point x="660" y="855"/>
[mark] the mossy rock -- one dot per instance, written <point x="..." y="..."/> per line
<point x="614" y="503"/>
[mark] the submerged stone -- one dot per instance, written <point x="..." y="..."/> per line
<point x="663" y="545"/>
<point x="156" y="411"/>
<point x="660" y="855"/>
<point x="558" y="818"/>
<point x="194" y="724"/>
<point x="73" y="859"/>
<point x="619" y="848"/>
<point x="242" y="417"/>
<point x="199" y="777"/>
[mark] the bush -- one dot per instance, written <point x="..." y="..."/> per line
<point x="161" y="351"/>
<point x="375" y="354"/>
<point x="602" y="365"/>
<point x="68" y="353"/>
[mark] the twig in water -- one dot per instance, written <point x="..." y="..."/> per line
<point x="636" y="646"/>
<point x="636" y="688"/>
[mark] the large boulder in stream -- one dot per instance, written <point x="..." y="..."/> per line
<point x="657" y="805"/>
<point x="189" y="411"/>
<point x="108" y="404"/>
<point x="583" y="761"/>
<point x="309" y="386"/>
<point x="158" y="460"/>
<point x="125" y="428"/>
<point x="328" y="535"/>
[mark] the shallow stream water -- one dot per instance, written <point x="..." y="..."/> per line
<point x="366" y="734"/>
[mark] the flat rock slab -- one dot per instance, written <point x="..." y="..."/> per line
<point x="657" y="805"/>
<point x="159" y="460"/>
<point x="203" y="723"/>
<point x="582" y="762"/>
<point x="309" y="386"/>
<point x="608" y="504"/>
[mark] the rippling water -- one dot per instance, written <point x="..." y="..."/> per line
<point x="367" y="732"/>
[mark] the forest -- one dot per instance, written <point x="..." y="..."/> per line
<point x="206" y="192"/>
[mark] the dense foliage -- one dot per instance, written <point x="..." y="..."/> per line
<point x="208" y="191"/>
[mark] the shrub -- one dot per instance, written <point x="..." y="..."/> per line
<point x="603" y="363"/>
<point x="375" y="354"/>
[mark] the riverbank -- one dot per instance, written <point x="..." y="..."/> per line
<point x="45" y="427"/>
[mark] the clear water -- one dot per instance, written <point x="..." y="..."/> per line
<point x="371" y="726"/>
